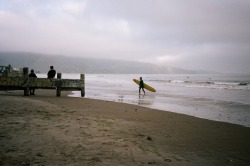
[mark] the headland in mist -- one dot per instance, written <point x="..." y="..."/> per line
<point x="67" y="64"/>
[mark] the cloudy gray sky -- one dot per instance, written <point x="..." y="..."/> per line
<point x="191" y="34"/>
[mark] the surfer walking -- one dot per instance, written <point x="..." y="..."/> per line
<point x="141" y="86"/>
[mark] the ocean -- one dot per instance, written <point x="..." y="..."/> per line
<point x="219" y="97"/>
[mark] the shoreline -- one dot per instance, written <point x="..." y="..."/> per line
<point x="49" y="130"/>
<point x="198" y="112"/>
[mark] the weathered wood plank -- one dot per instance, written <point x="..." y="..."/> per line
<point x="11" y="81"/>
<point x="42" y="83"/>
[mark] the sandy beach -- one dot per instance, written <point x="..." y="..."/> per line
<point x="48" y="130"/>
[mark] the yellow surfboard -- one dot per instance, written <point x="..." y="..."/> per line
<point x="146" y="86"/>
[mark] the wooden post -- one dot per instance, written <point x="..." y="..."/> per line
<point x="59" y="84"/>
<point x="26" y="79"/>
<point x="82" y="77"/>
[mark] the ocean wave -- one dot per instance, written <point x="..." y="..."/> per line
<point x="243" y="84"/>
<point x="205" y="84"/>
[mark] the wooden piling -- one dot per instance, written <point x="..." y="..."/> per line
<point x="82" y="85"/>
<point x="26" y="79"/>
<point x="59" y="84"/>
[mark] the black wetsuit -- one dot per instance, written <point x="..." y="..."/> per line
<point x="141" y="86"/>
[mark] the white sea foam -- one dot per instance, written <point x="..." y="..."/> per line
<point x="214" y="97"/>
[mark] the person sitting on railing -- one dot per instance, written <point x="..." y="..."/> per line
<point x="52" y="72"/>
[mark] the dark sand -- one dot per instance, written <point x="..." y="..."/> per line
<point x="49" y="130"/>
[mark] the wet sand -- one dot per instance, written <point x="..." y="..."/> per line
<point x="49" y="130"/>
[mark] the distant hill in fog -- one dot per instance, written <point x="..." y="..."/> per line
<point x="64" y="64"/>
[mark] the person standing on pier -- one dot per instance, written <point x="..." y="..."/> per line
<point x="32" y="75"/>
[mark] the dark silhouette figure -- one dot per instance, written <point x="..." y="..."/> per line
<point x="141" y="86"/>
<point x="51" y="72"/>
<point x="32" y="75"/>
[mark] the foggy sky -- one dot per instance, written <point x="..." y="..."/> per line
<point x="191" y="34"/>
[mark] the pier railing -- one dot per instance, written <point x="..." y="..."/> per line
<point x="25" y="82"/>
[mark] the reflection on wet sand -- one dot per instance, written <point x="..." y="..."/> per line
<point x="146" y="100"/>
<point x="120" y="98"/>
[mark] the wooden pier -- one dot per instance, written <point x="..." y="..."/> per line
<point x="25" y="82"/>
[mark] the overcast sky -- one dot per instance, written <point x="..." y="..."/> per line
<point x="191" y="34"/>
